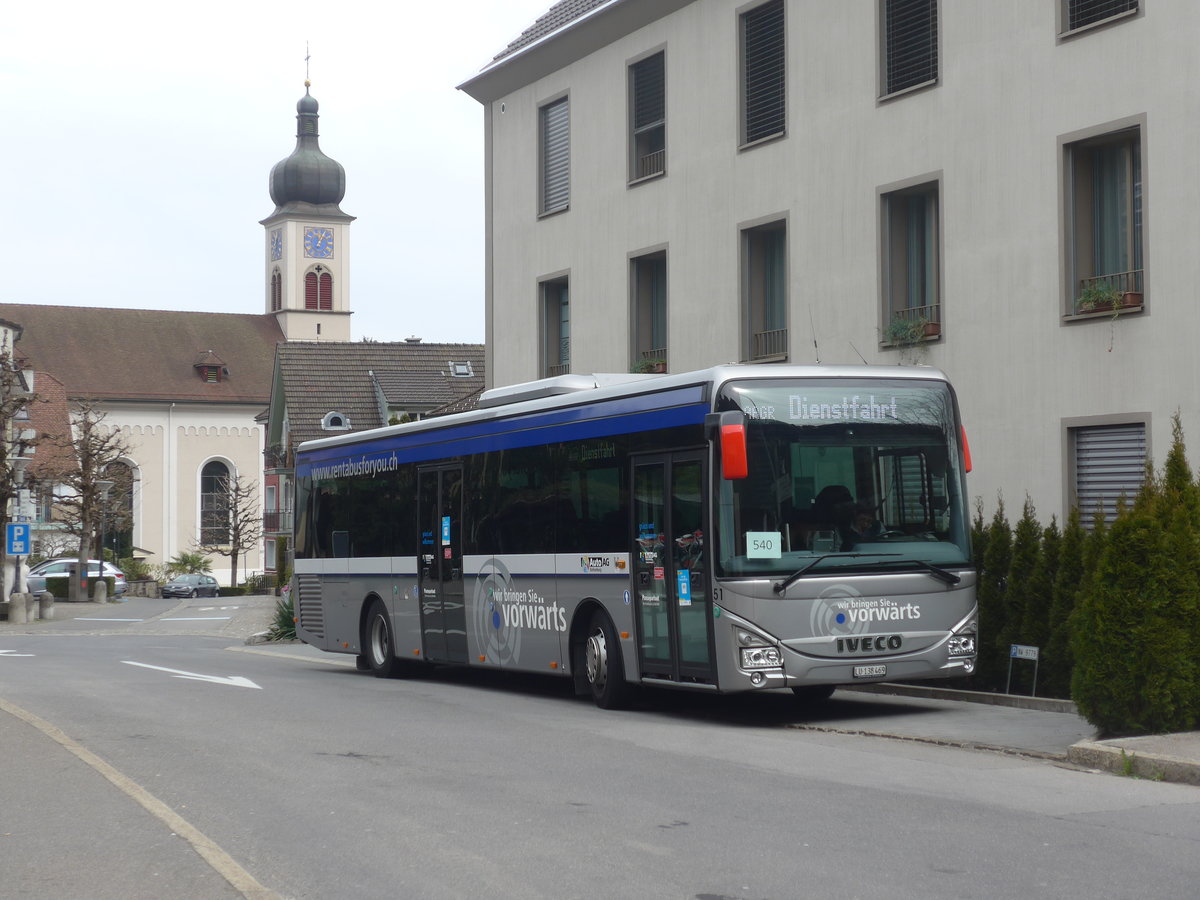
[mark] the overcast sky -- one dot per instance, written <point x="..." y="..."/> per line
<point x="138" y="137"/>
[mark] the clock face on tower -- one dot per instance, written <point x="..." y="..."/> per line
<point x="318" y="243"/>
<point x="277" y="244"/>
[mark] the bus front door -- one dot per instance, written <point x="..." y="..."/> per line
<point x="440" y="577"/>
<point x="670" y="571"/>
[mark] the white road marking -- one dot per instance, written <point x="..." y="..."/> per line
<point x="13" y="653"/>
<point x="103" y="619"/>
<point x="232" y="680"/>
<point x="196" y="619"/>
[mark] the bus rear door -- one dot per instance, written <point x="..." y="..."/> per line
<point x="439" y="575"/>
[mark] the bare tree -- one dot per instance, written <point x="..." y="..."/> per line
<point x="15" y="443"/>
<point x="232" y="525"/>
<point x="92" y="447"/>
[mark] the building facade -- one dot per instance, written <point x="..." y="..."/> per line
<point x="1000" y="190"/>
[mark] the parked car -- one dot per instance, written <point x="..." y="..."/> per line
<point x="191" y="586"/>
<point x="61" y="568"/>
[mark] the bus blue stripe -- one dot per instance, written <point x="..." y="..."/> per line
<point x="575" y="423"/>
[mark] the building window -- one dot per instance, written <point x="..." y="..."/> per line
<point x="1082" y="13"/>
<point x="276" y="291"/>
<point x="335" y="421"/>
<point x="1108" y="462"/>
<point x="910" y="43"/>
<point x="556" y="328"/>
<point x="764" y="293"/>
<point x="214" y="503"/>
<point x="318" y="290"/>
<point x="649" y="282"/>
<point x="555" y="156"/>
<point x="912" y="303"/>
<point x="648" y="117"/>
<point x="763" y="72"/>
<point x="1104" y="222"/>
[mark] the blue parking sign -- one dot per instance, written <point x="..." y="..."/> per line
<point x="17" y="538"/>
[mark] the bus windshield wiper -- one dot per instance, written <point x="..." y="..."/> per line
<point x="937" y="572"/>
<point x="782" y="586"/>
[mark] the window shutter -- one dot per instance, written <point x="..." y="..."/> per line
<point x="326" y="296"/>
<point x="649" y="102"/>
<point x="1109" y="461"/>
<point x="1088" y="12"/>
<point x="555" y="156"/>
<point x="763" y="71"/>
<point x="911" y="43"/>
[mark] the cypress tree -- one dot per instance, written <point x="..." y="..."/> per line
<point x="1136" y="668"/>
<point x="993" y="580"/>
<point x="1059" y="659"/>
<point x="1018" y="593"/>
<point x="1035" y="628"/>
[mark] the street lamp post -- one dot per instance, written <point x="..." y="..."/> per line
<point x="104" y="487"/>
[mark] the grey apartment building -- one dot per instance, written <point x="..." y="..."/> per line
<point x="1005" y="191"/>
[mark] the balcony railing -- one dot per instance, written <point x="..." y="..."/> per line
<point x="277" y="521"/>
<point x="932" y="313"/>
<point x="1123" y="282"/>
<point x="277" y="457"/>
<point x="652" y="164"/>
<point x="769" y="345"/>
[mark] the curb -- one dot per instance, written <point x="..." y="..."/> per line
<point x="1121" y="757"/>
<point x="1013" y="701"/>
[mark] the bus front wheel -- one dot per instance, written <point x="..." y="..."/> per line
<point x="602" y="664"/>
<point x="378" y="646"/>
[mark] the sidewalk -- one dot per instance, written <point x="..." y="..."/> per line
<point x="1027" y="726"/>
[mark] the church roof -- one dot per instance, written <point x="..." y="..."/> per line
<point x="361" y="380"/>
<point x="148" y="354"/>
<point x="307" y="181"/>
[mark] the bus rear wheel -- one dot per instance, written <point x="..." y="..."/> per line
<point x="602" y="664"/>
<point x="379" y="648"/>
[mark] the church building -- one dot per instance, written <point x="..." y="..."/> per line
<point x="187" y="389"/>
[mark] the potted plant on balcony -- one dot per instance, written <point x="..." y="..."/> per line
<point x="650" y="366"/>
<point x="905" y="332"/>
<point x="1099" y="297"/>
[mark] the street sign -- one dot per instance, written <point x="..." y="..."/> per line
<point x="1023" y="651"/>
<point x="17" y="537"/>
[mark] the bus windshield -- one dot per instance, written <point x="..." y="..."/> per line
<point x="845" y="474"/>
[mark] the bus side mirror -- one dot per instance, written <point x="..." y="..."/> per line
<point x="730" y="428"/>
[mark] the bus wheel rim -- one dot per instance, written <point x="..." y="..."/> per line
<point x="597" y="659"/>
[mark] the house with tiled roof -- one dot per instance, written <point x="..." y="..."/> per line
<point x="186" y="390"/>
<point x="321" y="389"/>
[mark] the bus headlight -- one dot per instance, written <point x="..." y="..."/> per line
<point x="961" y="645"/>
<point x="761" y="658"/>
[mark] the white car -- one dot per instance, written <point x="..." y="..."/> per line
<point x="61" y="568"/>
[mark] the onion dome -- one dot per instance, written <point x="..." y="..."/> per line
<point x="308" y="178"/>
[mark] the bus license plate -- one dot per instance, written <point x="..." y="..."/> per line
<point x="870" y="671"/>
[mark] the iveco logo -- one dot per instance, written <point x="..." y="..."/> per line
<point x="868" y="644"/>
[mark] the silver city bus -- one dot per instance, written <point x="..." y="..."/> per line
<point x="738" y="528"/>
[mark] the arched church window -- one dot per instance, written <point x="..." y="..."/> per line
<point x="276" y="291"/>
<point x="214" y="503"/>
<point x="318" y="290"/>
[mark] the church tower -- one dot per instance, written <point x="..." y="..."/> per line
<point x="307" y="246"/>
